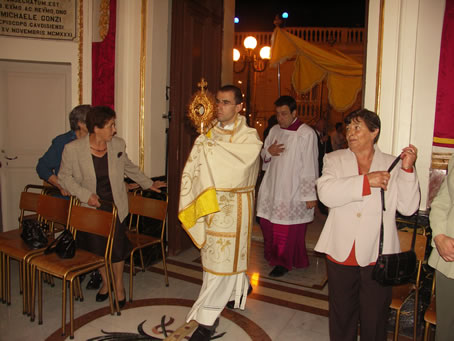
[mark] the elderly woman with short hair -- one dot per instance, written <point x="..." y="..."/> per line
<point x="93" y="168"/>
<point x="350" y="186"/>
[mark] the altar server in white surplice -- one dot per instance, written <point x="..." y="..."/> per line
<point x="287" y="194"/>
<point x="216" y="209"/>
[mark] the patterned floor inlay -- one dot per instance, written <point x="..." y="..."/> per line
<point x="154" y="319"/>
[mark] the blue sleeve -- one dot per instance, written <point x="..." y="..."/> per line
<point x="49" y="163"/>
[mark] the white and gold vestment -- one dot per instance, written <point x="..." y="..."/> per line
<point x="216" y="210"/>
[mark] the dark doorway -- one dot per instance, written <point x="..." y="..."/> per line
<point x="196" y="49"/>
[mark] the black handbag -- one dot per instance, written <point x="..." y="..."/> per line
<point x="64" y="245"/>
<point x="395" y="268"/>
<point x="33" y="233"/>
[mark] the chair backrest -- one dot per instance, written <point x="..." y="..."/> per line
<point x="54" y="209"/>
<point x="405" y="239"/>
<point x="147" y="207"/>
<point x="94" y="221"/>
<point x="140" y="206"/>
<point x="29" y="201"/>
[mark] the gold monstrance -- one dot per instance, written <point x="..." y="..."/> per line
<point x="201" y="109"/>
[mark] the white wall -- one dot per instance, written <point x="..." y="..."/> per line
<point x="127" y="99"/>
<point x="411" y="51"/>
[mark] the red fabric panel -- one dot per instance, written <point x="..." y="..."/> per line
<point x="444" y="113"/>
<point x="103" y="64"/>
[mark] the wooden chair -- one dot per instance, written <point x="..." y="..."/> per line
<point x="48" y="209"/>
<point x="430" y="316"/>
<point x="401" y="293"/>
<point x="84" y="219"/>
<point x="140" y="207"/>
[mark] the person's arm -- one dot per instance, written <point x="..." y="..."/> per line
<point x="49" y="162"/>
<point x="439" y="213"/>
<point x="334" y="188"/>
<point x="66" y="175"/>
<point x="132" y="171"/>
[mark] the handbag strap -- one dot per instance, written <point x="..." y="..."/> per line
<point x="382" y="193"/>
<point x="51" y="246"/>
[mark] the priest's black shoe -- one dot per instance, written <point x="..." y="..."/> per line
<point x="231" y="304"/>
<point x="102" y="297"/>
<point x="204" y="333"/>
<point x="278" y="271"/>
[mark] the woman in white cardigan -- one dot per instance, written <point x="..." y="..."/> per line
<point x="350" y="186"/>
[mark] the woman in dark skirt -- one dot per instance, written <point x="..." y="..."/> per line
<point x="93" y="169"/>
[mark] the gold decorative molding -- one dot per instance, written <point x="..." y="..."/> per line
<point x="81" y="50"/>
<point x="201" y="109"/>
<point x="143" y="58"/>
<point x="379" y="57"/>
<point x="440" y="160"/>
<point x="104" y="16"/>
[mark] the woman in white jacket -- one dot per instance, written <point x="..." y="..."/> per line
<point x="350" y="186"/>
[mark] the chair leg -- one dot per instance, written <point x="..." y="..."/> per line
<point x="40" y="297"/>
<point x="71" y="308"/>
<point x="32" y="293"/>
<point x="141" y="260"/>
<point x="131" y="268"/>
<point x="63" y="305"/>
<point x="426" y="331"/>
<point x="8" y="280"/>
<point x="166" y="277"/>
<point x="415" y="317"/>
<point x="396" y="328"/>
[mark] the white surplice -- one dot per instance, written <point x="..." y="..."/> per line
<point x="289" y="179"/>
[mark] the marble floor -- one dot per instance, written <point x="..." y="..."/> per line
<point x="291" y="308"/>
<point x="276" y="310"/>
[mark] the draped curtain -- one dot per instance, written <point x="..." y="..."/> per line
<point x="444" y="112"/>
<point x="314" y="64"/>
<point x="103" y="63"/>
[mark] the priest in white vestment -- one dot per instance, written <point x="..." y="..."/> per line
<point x="287" y="194"/>
<point x="216" y="208"/>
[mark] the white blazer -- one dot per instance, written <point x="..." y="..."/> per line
<point x="356" y="218"/>
<point x="77" y="172"/>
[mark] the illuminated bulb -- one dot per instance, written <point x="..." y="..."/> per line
<point x="250" y="42"/>
<point x="285" y="15"/>
<point x="265" y="52"/>
<point x="236" y="20"/>
<point x="236" y="55"/>
<point x="240" y="82"/>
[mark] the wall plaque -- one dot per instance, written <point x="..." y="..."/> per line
<point x="38" y="19"/>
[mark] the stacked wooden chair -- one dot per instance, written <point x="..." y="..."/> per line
<point x="140" y="207"/>
<point x="430" y="316"/>
<point x="49" y="209"/>
<point x="84" y="219"/>
<point x="401" y="293"/>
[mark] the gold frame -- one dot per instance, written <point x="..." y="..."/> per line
<point x="143" y="58"/>
<point x="379" y="57"/>
<point x="81" y="50"/>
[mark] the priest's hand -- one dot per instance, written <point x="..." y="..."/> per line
<point x="311" y="204"/>
<point x="276" y="149"/>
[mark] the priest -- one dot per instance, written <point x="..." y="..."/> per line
<point x="216" y="208"/>
<point x="287" y="195"/>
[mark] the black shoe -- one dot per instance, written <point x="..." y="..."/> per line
<point x="231" y="304"/>
<point x="102" y="297"/>
<point x="204" y="333"/>
<point x="95" y="281"/>
<point x="278" y="271"/>
<point x="122" y="303"/>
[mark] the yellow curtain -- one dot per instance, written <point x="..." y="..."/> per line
<point x="313" y="64"/>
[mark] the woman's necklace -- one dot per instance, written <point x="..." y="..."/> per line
<point x="99" y="150"/>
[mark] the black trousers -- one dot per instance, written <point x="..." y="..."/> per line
<point x="354" y="297"/>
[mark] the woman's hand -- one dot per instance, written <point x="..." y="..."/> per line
<point x="408" y="156"/>
<point x="157" y="185"/>
<point x="445" y="247"/>
<point x="379" y="179"/>
<point x="94" y="200"/>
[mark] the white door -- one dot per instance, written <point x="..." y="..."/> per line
<point x="35" y="99"/>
